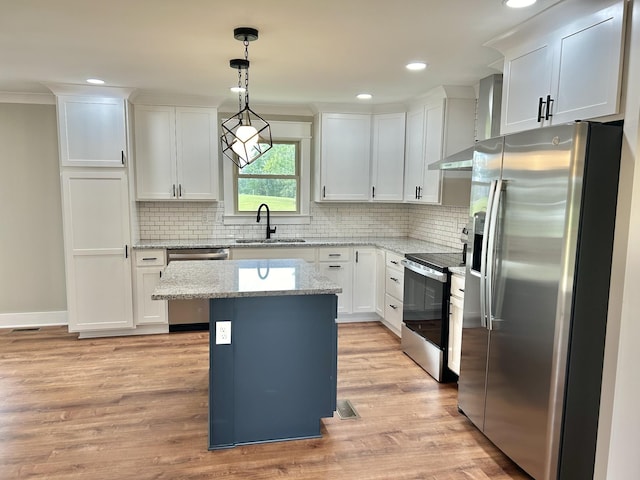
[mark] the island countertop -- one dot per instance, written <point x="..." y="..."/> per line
<point x="241" y="278"/>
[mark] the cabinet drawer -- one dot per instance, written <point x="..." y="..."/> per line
<point x="340" y="254"/>
<point x="393" y="260"/>
<point x="457" y="286"/>
<point x="150" y="257"/>
<point x="394" y="283"/>
<point x="393" y="311"/>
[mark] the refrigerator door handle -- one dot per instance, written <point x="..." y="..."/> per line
<point x="491" y="246"/>
<point x="483" y="255"/>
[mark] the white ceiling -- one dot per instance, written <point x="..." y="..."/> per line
<point x="309" y="51"/>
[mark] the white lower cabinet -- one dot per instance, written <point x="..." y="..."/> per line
<point x="380" y="287"/>
<point x="393" y="281"/>
<point x="335" y="263"/>
<point x="97" y="249"/>
<point x="393" y="313"/>
<point x="456" y="304"/>
<point x="364" y="280"/>
<point x="149" y="267"/>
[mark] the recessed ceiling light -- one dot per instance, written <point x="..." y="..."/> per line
<point x="364" y="96"/>
<point x="95" y="81"/>
<point x="416" y="66"/>
<point x="519" y="3"/>
<point x="238" y="89"/>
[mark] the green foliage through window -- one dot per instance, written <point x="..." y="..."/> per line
<point x="272" y="179"/>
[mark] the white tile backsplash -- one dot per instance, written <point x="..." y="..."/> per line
<point x="203" y="220"/>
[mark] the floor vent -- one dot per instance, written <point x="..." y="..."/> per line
<point x="25" y="329"/>
<point x="345" y="410"/>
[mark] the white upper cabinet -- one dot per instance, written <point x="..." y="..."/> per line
<point x="361" y="157"/>
<point x="570" y="74"/>
<point x="92" y="131"/>
<point x="387" y="157"/>
<point x="445" y="125"/>
<point x="414" y="160"/>
<point x="176" y="153"/>
<point x="345" y="156"/>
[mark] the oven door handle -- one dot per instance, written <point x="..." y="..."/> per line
<point x="424" y="271"/>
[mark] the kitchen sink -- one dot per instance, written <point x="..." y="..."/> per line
<point x="270" y="240"/>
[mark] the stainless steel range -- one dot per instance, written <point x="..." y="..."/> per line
<point x="425" y="315"/>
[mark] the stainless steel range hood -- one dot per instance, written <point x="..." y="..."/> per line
<point x="487" y="123"/>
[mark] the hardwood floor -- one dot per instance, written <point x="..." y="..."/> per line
<point x="136" y="408"/>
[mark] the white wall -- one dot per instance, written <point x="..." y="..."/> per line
<point x="618" y="455"/>
<point x="31" y="246"/>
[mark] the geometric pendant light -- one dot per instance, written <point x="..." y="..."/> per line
<point x="245" y="136"/>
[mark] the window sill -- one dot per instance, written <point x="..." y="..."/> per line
<point x="276" y="219"/>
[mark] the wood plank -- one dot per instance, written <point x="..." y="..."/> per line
<point x="136" y="407"/>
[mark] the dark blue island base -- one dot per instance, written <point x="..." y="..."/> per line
<point x="277" y="377"/>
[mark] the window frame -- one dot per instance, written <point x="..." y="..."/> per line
<point x="296" y="177"/>
<point x="281" y="131"/>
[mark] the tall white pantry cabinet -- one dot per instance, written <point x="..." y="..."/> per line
<point x="93" y="146"/>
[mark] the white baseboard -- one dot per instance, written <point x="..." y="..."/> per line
<point x="33" y="319"/>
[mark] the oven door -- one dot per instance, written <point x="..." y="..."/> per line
<point x="426" y="306"/>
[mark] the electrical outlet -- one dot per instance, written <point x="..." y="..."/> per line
<point x="223" y="333"/>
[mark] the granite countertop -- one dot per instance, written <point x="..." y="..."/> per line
<point x="241" y="278"/>
<point x="399" y="245"/>
<point x="457" y="270"/>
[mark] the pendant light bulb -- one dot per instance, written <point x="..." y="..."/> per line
<point x="246" y="139"/>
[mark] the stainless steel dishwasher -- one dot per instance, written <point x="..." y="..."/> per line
<point x="189" y="315"/>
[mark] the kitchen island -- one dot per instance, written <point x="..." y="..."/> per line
<point x="273" y="346"/>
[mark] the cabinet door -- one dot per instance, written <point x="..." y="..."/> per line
<point x="364" y="280"/>
<point x="414" y="154"/>
<point x="345" y="157"/>
<point x="591" y="49"/>
<point x="430" y="192"/>
<point x="340" y="273"/>
<point x="527" y="78"/>
<point x="92" y="131"/>
<point x="387" y="157"/>
<point x="197" y="153"/>
<point x="155" y="159"/>
<point x="97" y="253"/>
<point x="380" y="281"/>
<point x="455" y="334"/>
<point x="147" y="310"/>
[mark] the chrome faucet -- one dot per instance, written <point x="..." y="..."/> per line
<point x="269" y="229"/>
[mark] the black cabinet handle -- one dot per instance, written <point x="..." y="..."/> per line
<point x="324" y="192"/>
<point x="335" y="266"/>
<point x="126" y="251"/>
<point x="541" y="102"/>
<point x="160" y="273"/>
<point x="180" y="190"/>
<point x="173" y="194"/>
<point x="393" y="306"/>
<point x="419" y="193"/>
<point x="356" y="256"/>
<point x="335" y="254"/>
<point x="122" y="156"/>
<point x="416" y="192"/>
<point x="147" y="259"/>
<point x="373" y="192"/>
<point x="548" y="113"/>
<point x="394" y="279"/>
<point x="394" y="262"/>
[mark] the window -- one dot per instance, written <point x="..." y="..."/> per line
<point x="292" y="149"/>
<point x="274" y="179"/>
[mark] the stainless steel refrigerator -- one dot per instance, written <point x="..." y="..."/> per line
<point x="542" y="212"/>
